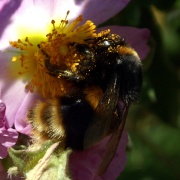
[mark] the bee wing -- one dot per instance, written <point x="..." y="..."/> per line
<point x="113" y="142"/>
<point x="104" y="115"/>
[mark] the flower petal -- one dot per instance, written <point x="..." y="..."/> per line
<point x="10" y="10"/>
<point x="84" y="164"/>
<point x="12" y="92"/>
<point x="7" y="9"/>
<point x="21" y="123"/>
<point x="8" y="137"/>
<point x="101" y="10"/>
<point x="2" y="113"/>
<point x="97" y="11"/>
<point x="3" y="151"/>
<point x="13" y="95"/>
<point x="58" y="9"/>
<point x="137" y="38"/>
<point x="118" y="163"/>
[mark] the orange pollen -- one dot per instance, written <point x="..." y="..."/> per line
<point x="56" y="50"/>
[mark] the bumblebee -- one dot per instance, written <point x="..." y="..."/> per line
<point x="105" y="82"/>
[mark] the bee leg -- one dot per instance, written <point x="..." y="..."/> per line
<point x="54" y="70"/>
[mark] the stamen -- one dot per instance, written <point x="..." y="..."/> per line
<point x="55" y="49"/>
<point x="65" y="21"/>
<point x="27" y="40"/>
<point x="53" y="23"/>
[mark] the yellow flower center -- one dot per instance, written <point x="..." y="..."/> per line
<point x="55" y="49"/>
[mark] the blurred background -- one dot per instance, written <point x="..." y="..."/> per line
<point x="153" y="123"/>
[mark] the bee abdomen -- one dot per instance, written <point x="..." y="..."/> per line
<point x="64" y="119"/>
<point x="46" y="120"/>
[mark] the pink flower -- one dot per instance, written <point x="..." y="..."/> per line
<point x="14" y="95"/>
<point x="8" y="136"/>
<point x="18" y="100"/>
<point x="84" y="165"/>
